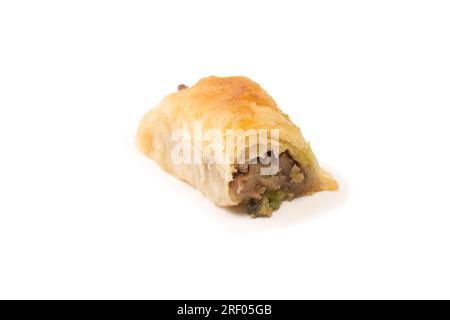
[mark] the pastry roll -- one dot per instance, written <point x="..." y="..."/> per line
<point x="228" y="138"/>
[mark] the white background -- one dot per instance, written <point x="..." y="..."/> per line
<point x="84" y="215"/>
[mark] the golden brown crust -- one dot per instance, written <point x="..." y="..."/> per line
<point x="237" y="94"/>
<point x="236" y="98"/>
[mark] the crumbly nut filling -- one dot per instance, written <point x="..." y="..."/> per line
<point x="263" y="194"/>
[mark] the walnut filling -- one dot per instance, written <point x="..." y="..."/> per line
<point x="262" y="193"/>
